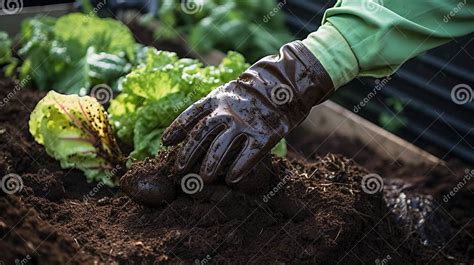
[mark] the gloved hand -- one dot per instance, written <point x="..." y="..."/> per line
<point x="237" y="124"/>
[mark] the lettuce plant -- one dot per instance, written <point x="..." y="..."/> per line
<point x="74" y="52"/>
<point x="154" y="94"/>
<point x="76" y="131"/>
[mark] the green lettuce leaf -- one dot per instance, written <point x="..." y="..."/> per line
<point x="154" y="94"/>
<point x="75" y="52"/>
<point x="104" y="34"/>
<point x="76" y="131"/>
<point x="104" y="67"/>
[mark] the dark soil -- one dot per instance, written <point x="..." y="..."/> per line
<point x="26" y="237"/>
<point x="457" y="208"/>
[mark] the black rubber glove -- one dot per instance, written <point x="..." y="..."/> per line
<point x="237" y="124"/>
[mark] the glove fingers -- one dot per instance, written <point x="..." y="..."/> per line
<point x="246" y="160"/>
<point x="181" y="126"/>
<point x="198" y="142"/>
<point x="218" y="154"/>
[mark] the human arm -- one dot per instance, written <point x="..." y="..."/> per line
<point x="375" y="37"/>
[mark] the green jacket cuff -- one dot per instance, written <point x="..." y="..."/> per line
<point x="334" y="53"/>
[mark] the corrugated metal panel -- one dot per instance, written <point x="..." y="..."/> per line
<point x="429" y="118"/>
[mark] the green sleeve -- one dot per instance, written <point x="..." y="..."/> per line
<point x="375" y="37"/>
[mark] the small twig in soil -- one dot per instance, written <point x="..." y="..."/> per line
<point x="77" y="243"/>
<point x="334" y="183"/>
<point x="340" y="229"/>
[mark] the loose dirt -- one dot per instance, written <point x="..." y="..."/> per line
<point x="450" y="186"/>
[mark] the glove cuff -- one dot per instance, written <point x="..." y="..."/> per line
<point x="316" y="79"/>
<point x="293" y="81"/>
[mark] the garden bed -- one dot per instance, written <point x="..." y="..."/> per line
<point x="311" y="210"/>
<point x="321" y="214"/>
<point x="91" y="222"/>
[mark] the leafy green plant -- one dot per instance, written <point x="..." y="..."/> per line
<point x="76" y="131"/>
<point x="74" y="52"/>
<point x="7" y="61"/>
<point x="156" y="93"/>
<point x="253" y="28"/>
<point x="5" y="48"/>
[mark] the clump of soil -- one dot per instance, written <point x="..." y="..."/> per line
<point x="150" y="182"/>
